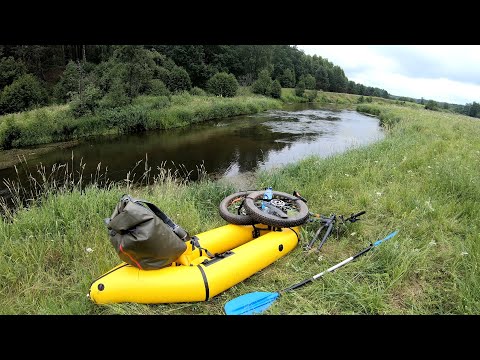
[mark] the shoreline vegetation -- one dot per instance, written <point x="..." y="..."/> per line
<point x="421" y="179"/>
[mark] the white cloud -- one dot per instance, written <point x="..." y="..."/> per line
<point x="448" y="73"/>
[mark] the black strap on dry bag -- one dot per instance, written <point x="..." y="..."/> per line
<point x="177" y="229"/>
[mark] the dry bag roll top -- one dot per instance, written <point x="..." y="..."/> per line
<point x="143" y="236"/>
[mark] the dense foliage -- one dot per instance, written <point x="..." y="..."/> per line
<point x="223" y="84"/>
<point x="108" y="76"/>
<point x="23" y="93"/>
<point x="114" y="75"/>
<point x="263" y="85"/>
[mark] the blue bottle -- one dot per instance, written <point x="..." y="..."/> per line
<point x="267" y="196"/>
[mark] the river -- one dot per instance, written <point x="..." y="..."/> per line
<point x="224" y="148"/>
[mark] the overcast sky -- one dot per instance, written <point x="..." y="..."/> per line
<point x="448" y="73"/>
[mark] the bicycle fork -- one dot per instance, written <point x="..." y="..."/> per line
<point x="328" y="225"/>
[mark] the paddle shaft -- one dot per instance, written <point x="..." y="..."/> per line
<point x="340" y="264"/>
<point x="333" y="268"/>
<point x="257" y="302"/>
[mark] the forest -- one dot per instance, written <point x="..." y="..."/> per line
<point x="89" y="76"/>
<point x="109" y="76"/>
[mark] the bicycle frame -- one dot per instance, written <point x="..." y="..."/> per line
<point x="327" y="224"/>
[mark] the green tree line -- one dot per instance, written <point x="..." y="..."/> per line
<point x="89" y="76"/>
<point x="469" y="109"/>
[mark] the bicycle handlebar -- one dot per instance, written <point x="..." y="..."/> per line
<point x="297" y="194"/>
<point x="353" y="217"/>
<point x="327" y="225"/>
<point x="358" y="214"/>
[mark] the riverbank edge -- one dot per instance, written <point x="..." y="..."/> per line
<point x="46" y="129"/>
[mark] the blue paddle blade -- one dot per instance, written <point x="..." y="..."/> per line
<point x="378" y="242"/>
<point x="251" y="303"/>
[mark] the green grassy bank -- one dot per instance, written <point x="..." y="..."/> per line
<point x="422" y="179"/>
<point x="47" y="128"/>
<point x="57" y="123"/>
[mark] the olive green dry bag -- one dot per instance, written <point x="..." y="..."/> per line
<point x="143" y="235"/>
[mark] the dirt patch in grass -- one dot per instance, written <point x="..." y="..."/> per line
<point x="403" y="297"/>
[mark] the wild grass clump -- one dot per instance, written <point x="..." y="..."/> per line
<point x="54" y="245"/>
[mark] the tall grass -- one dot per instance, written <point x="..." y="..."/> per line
<point x="422" y="179"/>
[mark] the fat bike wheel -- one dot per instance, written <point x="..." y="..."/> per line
<point x="283" y="210"/>
<point x="232" y="209"/>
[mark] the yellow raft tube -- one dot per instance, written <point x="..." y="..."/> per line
<point x="195" y="276"/>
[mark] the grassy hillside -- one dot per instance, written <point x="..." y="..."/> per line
<point x="340" y="99"/>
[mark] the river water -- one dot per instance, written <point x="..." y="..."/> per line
<point x="224" y="148"/>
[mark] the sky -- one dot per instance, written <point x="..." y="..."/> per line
<point x="444" y="73"/>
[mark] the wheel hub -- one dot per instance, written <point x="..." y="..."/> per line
<point x="277" y="202"/>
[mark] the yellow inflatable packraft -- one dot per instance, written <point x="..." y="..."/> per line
<point x="239" y="252"/>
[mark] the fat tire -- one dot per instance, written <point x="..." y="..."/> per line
<point x="264" y="218"/>
<point x="234" y="218"/>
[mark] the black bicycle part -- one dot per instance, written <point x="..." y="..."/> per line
<point x="297" y="194"/>
<point x="290" y="205"/>
<point x="326" y="235"/>
<point x="232" y="209"/>
<point x="353" y="217"/>
<point x="327" y="224"/>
